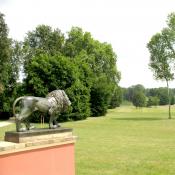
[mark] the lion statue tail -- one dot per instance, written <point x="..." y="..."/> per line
<point x="14" y="105"/>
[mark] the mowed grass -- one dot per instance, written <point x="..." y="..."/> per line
<point x="127" y="141"/>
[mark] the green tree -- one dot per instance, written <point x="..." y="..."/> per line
<point x="161" y="48"/>
<point x="128" y="93"/>
<point x="5" y="53"/>
<point x="105" y="66"/>
<point x="153" y="101"/>
<point x="95" y="64"/>
<point x="45" y="61"/>
<point x="101" y="60"/>
<point x="47" y="73"/>
<point x="9" y="67"/>
<point x="139" y="99"/>
<point x="42" y="40"/>
<point x="10" y="92"/>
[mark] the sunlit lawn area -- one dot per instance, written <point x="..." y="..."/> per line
<point x="127" y="141"/>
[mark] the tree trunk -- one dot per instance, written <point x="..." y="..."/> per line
<point x="169" y="100"/>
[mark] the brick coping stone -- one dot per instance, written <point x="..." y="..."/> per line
<point x="36" y="138"/>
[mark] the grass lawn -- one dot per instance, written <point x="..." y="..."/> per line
<point x="127" y="141"/>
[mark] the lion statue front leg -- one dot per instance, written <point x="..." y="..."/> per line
<point x="53" y="121"/>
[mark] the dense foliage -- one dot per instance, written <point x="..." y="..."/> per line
<point x="9" y="68"/>
<point x="102" y="62"/>
<point x="82" y="66"/>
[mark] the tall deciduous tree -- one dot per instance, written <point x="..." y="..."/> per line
<point x="9" y="66"/>
<point x="102" y="61"/>
<point x="4" y="53"/>
<point x="162" y="54"/>
<point x="5" y="67"/>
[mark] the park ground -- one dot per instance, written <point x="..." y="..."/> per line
<point x="127" y="141"/>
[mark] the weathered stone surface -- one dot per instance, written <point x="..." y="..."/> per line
<point x="5" y="146"/>
<point x="50" y="141"/>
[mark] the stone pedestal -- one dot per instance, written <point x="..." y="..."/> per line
<point x="38" y="152"/>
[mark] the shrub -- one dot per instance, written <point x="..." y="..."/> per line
<point x="139" y="99"/>
<point x="153" y="101"/>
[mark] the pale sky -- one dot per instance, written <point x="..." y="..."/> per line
<point x="127" y="25"/>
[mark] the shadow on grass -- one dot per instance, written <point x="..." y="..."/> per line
<point x="140" y="119"/>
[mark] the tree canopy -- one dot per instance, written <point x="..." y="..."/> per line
<point x="9" y="67"/>
<point x="84" y="67"/>
<point x="77" y="63"/>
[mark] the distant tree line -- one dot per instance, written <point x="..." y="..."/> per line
<point x="77" y="63"/>
<point x="141" y="96"/>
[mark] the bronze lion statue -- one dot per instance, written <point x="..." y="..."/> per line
<point x="55" y="102"/>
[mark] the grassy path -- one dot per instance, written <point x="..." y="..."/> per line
<point x="127" y="141"/>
